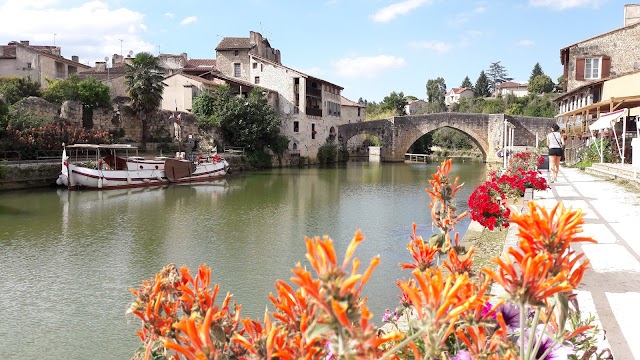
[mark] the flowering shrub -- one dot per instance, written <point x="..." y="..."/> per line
<point x="487" y="206"/>
<point x="525" y="160"/>
<point x="322" y="315"/>
<point x="48" y="137"/>
<point x="514" y="182"/>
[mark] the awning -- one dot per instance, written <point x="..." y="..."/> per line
<point x="605" y="120"/>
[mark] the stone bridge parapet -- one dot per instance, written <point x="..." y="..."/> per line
<point x="485" y="130"/>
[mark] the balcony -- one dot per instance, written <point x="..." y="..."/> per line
<point x="313" y="111"/>
<point x="314" y="92"/>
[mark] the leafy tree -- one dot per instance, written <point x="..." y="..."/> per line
<point x="496" y="106"/>
<point x="92" y="94"/>
<point x="144" y="81"/>
<point x="466" y="83"/>
<point x="483" y="87"/>
<point x="450" y="138"/>
<point x="204" y="110"/>
<point x="248" y="122"/>
<point x="396" y="102"/>
<point x="560" y="79"/>
<point x="540" y="84"/>
<point x="540" y="106"/>
<point x="59" y="91"/>
<point x="436" y="90"/>
<point x="537" y="70"/>
<point x="15" y="89"/>
<point x="497" y="75"/>
<point x="411" y="97"/>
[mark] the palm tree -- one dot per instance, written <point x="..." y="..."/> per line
<point x="144" y="81"/>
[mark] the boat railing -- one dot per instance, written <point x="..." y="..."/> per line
<point x="234" y="150"/>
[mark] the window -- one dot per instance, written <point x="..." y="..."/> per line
<point x="592" y="68"/>
<point x="296" y="126"/>
<point x="28" y="65"/>
<point x="313" y="131"/>
<point x="358" y="111"/>
<point x="257" y="80"/>
<point x="236" y="53"/>
<point x="236" y="69"/>
<point x="255" y="65"/>
<point x="260" y="67"/>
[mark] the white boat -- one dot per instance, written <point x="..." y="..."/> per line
<point x="117" y="166"/>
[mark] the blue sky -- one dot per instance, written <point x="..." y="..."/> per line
<point x="369" y="47"/>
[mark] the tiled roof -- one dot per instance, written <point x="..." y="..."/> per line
<point x="204" y="64"/>
<point x="9" y="51"/>
<point x="460" y="90"/>
<point x="113" y="73"/>
<point x="234" y="43"/>
<point x="346" y="102"/>
<point x="214" y="82"/>
<point x="510" y="84"/>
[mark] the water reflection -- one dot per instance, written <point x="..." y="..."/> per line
<point x="68" y="259"/>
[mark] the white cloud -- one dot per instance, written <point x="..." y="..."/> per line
<point x="440" y="47"/>
<point x="469" y="36"/>
<point x="564" y="4"/>
<point x="189" y="20"/>
<point x="170" y="15"/>
<point x="93" y="32"/>
<point x="367" y="66"/>
<point x="526" y="42"/>
<point x="464" y="17"/>
<point x="390" y="12"/>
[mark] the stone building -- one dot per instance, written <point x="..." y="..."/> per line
<point x="415" y="106"/>
<point x="21" y="59"/>
<point x="602" y="74"/>
<point x="310" y="107"/>
<point x="455" y="94"/>
<point x="351" y="111"/>
<point x="181" y="88"/>
<point x="512" y="88"/>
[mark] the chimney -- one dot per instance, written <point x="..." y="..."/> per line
<point x="631" y="14"/>
<point x="24" y="42"/>
<point x="117" y="59"/>
<point x="75" y="58"/>
<point x="101" y="66"/>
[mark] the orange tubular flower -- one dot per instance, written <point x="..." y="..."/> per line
<point x="422" y="252"/>
<point x="527" y="278"/>
<point x="459" y="265"/>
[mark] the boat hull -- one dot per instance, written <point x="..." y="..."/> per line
<point x="79" y="177"/>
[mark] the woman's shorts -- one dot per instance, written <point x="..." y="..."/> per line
<point x="555" y="152"/>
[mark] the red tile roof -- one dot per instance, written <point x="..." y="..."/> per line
<point x="346" y="102"/>
<point x="201" y="64"/>
<point x="510" y="84"/>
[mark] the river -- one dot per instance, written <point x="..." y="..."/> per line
<point x="68" y="259"/>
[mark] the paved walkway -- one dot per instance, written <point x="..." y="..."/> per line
<point x="611" y="289"/>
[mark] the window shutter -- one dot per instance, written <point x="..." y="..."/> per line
<point x="606" y="67"/>
<point x="580" y="69"/>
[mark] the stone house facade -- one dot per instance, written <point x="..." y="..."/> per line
<point x="414" y="106"/>
<point x="181" y="88"/>
<point x="351" y="111"/>
<point x="601" y="74"/>
<point x="21" y="59"/>
<point x="310" y="107"/>
<point x="512" y="88"/>
<point x="455" y="94"/>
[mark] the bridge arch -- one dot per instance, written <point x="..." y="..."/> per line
<point x="485" y="130"/>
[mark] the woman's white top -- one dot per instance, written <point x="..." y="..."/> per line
<point x="555" y="140"/>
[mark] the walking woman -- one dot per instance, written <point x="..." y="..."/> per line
<point x="555" y="143"/>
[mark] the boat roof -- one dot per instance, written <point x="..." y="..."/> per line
<point x="101" y="146"/>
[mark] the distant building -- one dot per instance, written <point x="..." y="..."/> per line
<point x="21" y="59"/>
<point x="512" y="88"/>
<point x="310" y="107"/>
<point x="455" y="94"/>
<point x="351" y="111"/>
<point x="414" y="106"/>
<point x="602" y="74"/>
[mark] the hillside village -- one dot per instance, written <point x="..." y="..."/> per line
<point x="600" y="75"/>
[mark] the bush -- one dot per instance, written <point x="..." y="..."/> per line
<point x="258" y="159"/>
<point x="328" y="153"/>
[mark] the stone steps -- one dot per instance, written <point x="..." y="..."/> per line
<point x="614" y="170"/>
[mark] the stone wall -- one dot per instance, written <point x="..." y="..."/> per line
<point x="38" y="107"/>
<point x="621" y="45"/>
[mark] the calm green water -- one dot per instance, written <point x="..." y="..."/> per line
<point x="68" y="259"/>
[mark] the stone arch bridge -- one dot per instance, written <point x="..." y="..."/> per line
<point x="485" y="130"/>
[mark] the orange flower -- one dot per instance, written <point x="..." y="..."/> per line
<point x="422" y="252"/>
<point x="527" y="278"/>
<point x="459" y="265"/>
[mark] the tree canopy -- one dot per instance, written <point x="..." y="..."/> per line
<point x="537" y="70"/>
<point x="15" y="89"/>
<point x="482" y="87"/>
<point x="540" y="84"/>
<point x="466" y="83"/>
<point x="396" y="102"/>
<point x="144" y="81"/>
<point x="249" y="122"/>
<point x="497" y="74"/>
<point x="436" y="90"/>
